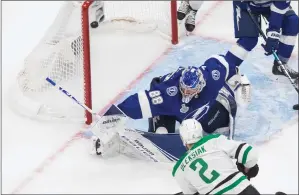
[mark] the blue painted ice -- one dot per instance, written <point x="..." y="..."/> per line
<point x="272" y="97"/>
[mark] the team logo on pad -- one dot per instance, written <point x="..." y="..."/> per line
<point x="172" y="91"/>
<point x="215" y="75"/>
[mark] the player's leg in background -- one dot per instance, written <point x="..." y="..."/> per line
<point x="287" y="42"/>
<point x="246" y="32"/>
<point x="191" y="18"/>
<point x="183" y="10"/>
<point x="97" y="13"/>
<point x="189" y="8"/>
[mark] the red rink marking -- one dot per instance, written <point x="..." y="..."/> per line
<point x="48" y="161"/>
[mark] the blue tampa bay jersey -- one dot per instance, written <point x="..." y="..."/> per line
<point x="165" y="98"/>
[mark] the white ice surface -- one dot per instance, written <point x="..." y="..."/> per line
<point x="29" y="144"/>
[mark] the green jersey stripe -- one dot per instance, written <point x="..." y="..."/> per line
<point x="244" y="159"/>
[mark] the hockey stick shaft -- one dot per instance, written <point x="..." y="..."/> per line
<point x="70" y="96"/>
<point x="274" y="52"/>
<point x="77" y="101"/>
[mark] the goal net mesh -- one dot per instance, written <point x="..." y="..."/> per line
<point x="60" y="55"/>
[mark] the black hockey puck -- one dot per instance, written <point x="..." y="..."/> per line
<point x="94" y="24"/>
<point x="296" y="107"/>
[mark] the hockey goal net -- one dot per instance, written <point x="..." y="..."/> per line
<point x="63" y="54"/>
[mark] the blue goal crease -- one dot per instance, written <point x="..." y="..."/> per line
<point x="272" y="96"/>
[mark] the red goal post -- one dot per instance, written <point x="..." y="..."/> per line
<point x="64" y="54"/>
<point x="86" y="48"/>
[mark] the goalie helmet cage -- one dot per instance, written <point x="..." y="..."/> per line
<point x="64" y="55"/>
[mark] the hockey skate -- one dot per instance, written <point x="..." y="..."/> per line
<point x="276" y="70"/>
<point x="190" y="21"/>
<point x="183" y="10"/>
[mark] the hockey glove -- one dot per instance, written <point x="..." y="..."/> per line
<point x="252" y="172"/>
<point x="271" y="42"/>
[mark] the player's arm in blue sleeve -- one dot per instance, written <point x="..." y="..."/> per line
<point x="153" y="102"/>
<point x="219" y="69"/>
<point x="278" y="9"/>
<point x="144" y="104"/>
<point x="132" y="107"/>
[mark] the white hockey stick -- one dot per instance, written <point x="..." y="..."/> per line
<point x="72" y="97"/>
<point x="80" y="103"/>
<point x="126" y="139"/>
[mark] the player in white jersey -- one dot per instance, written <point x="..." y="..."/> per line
<point x="208" y="167"/>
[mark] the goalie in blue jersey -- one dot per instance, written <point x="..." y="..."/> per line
<point x="205" y="93"/>
<point x="282" y="32"/>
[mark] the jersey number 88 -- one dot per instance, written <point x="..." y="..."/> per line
<point x="156" y="97"/>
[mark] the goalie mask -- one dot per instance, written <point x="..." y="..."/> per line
<point x="191" y="83"/>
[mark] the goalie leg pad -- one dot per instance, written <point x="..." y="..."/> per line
<point x="106" y="144"/>
<point x="241" y="86"/>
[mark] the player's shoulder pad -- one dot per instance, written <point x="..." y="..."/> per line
<point x="222" y="139"/>
<point x="208" y="138"/>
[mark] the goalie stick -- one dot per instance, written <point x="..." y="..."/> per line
<point x="123" y="137"/>
<point x="284" y="70"/>
<point x="72" y="97"/>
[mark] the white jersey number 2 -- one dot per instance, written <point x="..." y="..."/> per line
<point x="203" y="169"/>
